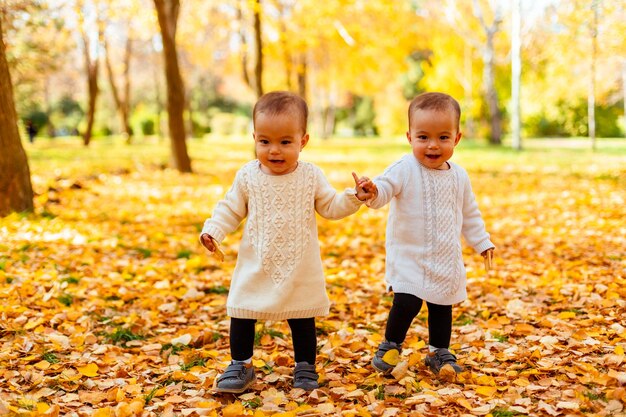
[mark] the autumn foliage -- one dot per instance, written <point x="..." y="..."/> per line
<point x="110" y="307"/>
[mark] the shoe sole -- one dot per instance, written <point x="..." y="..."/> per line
<point x="237" y="390"/>
<point x="382" y="371"/>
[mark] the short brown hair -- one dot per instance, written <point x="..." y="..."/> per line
<point x="437" y="102"/>
<point x="280" y="102"/>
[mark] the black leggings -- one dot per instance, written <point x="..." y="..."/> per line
<point x="302" y="331"/>
<point x="404" y="309"/>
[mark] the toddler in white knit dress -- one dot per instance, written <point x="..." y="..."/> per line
<point x="279" y="273"/>
<point x="432" y="205"/>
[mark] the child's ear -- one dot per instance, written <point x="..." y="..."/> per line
<point x="458" y="138"/>
<point x="408" y="135"/>
<point x="304" y="141"/>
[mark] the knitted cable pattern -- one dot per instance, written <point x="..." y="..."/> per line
<point x="440" y="209"/>
<point x="280" y="212"/>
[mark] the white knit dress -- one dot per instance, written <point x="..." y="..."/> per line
<point x="279" y="271"/>
<point x="430" y="210"/>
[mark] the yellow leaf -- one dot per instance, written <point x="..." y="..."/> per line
<point x="392" y="357"/>
<point x="42" y="407"/>
<point x="486" y="391"/>
<point x="258" y="363"/>
<point x="42" y="365"/>
<point x="619" y="350"/>
<point x="486" y="380"/>
<point x="89" y="370"/>
<point x="567" y="315"/>
<point x="208" y="404"/>
<point x="103" y="412"/>
<point x="464" y="403"/>
<point x="32" y="324"/>
<point x="232" y="410"/>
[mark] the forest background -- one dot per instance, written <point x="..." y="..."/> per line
<point x="97" y="67"/>
<point x="110" y="307"/>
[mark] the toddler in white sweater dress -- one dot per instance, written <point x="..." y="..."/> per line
<point x="279" y="272"/>
<point x="432" y="205"/>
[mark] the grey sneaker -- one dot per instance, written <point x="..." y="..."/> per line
<point x="378" y="363"/>
<point x="237" y="378"/>
<point x="305" y="376"/>
<point x="443" y="363"/>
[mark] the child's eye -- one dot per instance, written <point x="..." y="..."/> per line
<point x="444" y="137"/>
<point x="422" y="137"/>
<point x="264" y="141"/>
<point x="285" y="142"/>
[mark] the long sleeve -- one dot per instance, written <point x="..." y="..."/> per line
<point x="333" y="205"/>
<point x="473" y="228"/>
<point x="389" y="184"/>
<point x="229" y="212"/>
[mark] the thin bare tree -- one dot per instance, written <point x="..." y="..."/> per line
<point x="121" y="98"/>
<point x="516" y="74"/>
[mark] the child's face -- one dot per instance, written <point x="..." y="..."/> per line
<point x="433" y="135"/>
<point x="278" y="140"/>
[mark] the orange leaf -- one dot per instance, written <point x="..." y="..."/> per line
<point x="486" y="391"/>
<point x="89" y="370"/>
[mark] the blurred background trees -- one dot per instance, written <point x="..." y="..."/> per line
<point x="356" y="62"/>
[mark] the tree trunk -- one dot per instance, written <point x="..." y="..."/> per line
<point x="167" y="12"/>
<point x="516" y="75"/>
<point x="258" y="67"/>
<point x="495" y="115"/>
<point x="624" y="93"/>
<point x="491" y="94"/>
<point x="91" y="70"/>
<point x="591" y="96"/>
<point x="49" y="124"/>
<point x="121" y="103"/>
<point x="302" y="69"/>
<point x="469" y="130"/>
<point x="190" y="115"/>
<point x="244" y="45"/>
<point x="16" y="191"/>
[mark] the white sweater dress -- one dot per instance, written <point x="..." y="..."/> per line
<point x="279" y="271"/>
<point x="430" y="210"/>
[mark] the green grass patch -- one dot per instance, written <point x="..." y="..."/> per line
<point x="218" y="289"/>
<point x="50" y="357"/>
<point x="500" y="337"/>
<point x="184" y="254"/>
<point x="149" y="396"/>
<point x="273" y="333"/>
<point x="71" y="280"/>
<point x="194" y="361"/>
<point x="146" y="253"/>
<point x="122" y="336"/>
<point x="66" y="299"/>
<point x="252" y="404"/>
<point x="463" y="320"/>
<point x="503" y="412"/>
<point x="173" y="349"/>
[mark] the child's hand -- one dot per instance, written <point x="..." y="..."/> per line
<point x="488" y="255"/>
<point x="365" y="188"/>
<point x="210" y="243"/>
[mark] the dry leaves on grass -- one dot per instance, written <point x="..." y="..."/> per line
<point x="110" y="307"/>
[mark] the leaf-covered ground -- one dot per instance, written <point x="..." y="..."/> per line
<point x="110" y="307"/>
